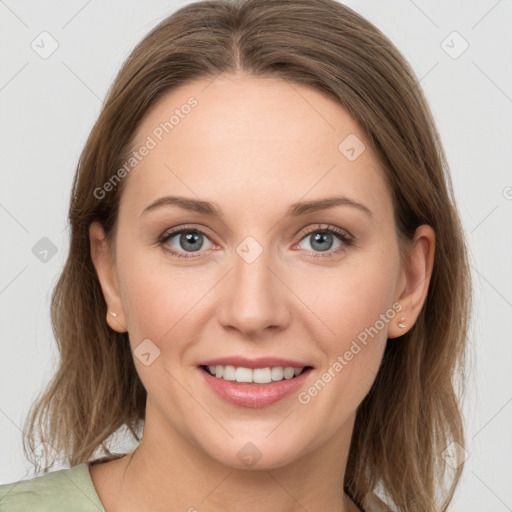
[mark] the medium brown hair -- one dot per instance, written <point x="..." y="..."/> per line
<point x="412" y="411"/>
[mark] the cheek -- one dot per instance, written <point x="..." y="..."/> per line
<point x="161" y="303"/>
<point x="352" y="310"/>
<point x="349" y="299"/>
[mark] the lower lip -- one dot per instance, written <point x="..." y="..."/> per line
<point x="254" y="395"/>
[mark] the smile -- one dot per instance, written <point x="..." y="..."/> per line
<point x="242" y="374"/>
<point x="248" y="392"/>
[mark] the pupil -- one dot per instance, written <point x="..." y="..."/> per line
<point x="190" y="239"/>
<point x="318" y="238"/>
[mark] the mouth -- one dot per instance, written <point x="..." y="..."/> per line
<point x="251" y="376"/>
<point x="254" y="387"/>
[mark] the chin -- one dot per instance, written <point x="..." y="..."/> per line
<point x="257" y="454"/>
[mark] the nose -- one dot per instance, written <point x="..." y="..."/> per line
<point x="254" y="298"/>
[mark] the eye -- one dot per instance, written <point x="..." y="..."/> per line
<point x="324" y="238"/>
<point x="184" y="242"/>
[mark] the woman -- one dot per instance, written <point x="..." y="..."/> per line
<point x="302" y="355"/>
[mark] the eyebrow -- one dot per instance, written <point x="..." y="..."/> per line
<point x="295" y="210"/>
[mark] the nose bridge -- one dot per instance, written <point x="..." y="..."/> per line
<point x="254" y="298"/>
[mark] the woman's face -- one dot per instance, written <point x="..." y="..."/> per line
<point x="260" y="279"/>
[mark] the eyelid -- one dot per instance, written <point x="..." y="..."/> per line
<point x="324" y="227"/>
<point x="185" y="227"/>
<point x="345" y="237"/>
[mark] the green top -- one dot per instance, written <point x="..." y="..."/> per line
<point x="72" y="489"/>
<point x="64" y="490"/>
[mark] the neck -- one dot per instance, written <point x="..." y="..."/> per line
<point x="167" y="468"/>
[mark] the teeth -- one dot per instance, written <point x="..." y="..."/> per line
<point x="243" y="374"/>
<point x="257" y="375"/>
<point x="228" y="372"/>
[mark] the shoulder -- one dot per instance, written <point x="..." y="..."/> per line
<point x="62" y="490"/>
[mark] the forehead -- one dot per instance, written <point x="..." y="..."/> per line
<point x="240" y="140"/>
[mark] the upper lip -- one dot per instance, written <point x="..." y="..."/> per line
<point x="259" y="362"/>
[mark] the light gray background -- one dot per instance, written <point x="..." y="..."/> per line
<point x="48" y="107"/>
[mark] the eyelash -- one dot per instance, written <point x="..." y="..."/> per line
<point x="342" y="235"/>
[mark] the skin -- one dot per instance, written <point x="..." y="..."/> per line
<point x="253" y="146"/>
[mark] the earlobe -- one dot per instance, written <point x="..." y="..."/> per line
<point x="418" y="272"/>
<point x="105" y="269"/>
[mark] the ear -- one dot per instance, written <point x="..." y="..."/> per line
<point x="105" y="268"/>
<point x="415" y="280"/>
